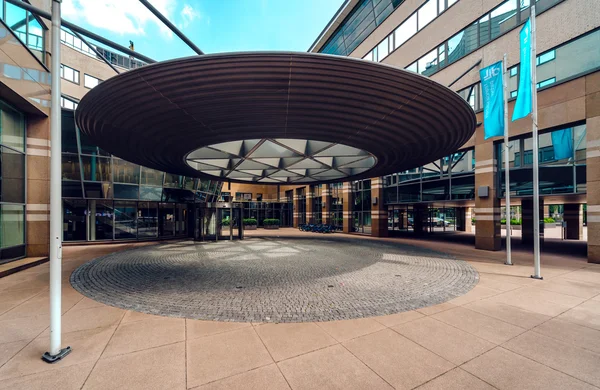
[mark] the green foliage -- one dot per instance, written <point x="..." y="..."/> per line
<point x="250" y="222"/>
<point x="515" y="222"/>
<point x="271" y="222"/>
<point x="549" y="220"/>
<point x="225" y="222"/>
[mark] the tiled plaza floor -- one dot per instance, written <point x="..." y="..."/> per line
<point x="509" y="332"/>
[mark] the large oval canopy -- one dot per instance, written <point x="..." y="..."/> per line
<point x="275" y="117"/>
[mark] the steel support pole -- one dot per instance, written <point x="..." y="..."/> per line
<point x="56" y="353"/>
<point x="536" y="163"/>
<point x="506" y="160"/>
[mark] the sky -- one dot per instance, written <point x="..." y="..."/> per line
<point x="213" y="25"/>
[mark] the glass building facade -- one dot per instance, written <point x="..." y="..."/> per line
<point x="26" y="26"/>
<point x="366" y="16"/>
<point x="12" y="183"/>
<point x="107" y="198"/>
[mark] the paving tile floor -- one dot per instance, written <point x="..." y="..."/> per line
<point x="509" y="332"/>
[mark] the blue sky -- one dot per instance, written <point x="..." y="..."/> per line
<point x="213" y="25"/>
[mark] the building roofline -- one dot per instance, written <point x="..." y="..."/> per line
<point x="335" y="21"/>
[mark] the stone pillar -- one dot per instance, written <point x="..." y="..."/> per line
<point x="546" y="213"/>
<point x="310" y="198"/>
<point x="487" y="208"/>
<point x="92" y="220"/>
<point x="573" y="216"/>
<point x="348" y="224"/>
<point x="37" y="239"/>
<point x="296" y="202"/>
<point x="419" y="219"/>
<point x="468" y="220"/>
<point x="592" y="104"/>
<point x="379" y="214"/>
<point x="326" y="206"/>
<point x="527" y="222"/>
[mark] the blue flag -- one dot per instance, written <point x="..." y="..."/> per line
<point x="524" y="97"/>
<point x="562" y="142"/>
<point x="493" y="101"/>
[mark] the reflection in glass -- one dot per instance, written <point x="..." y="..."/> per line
<point x="12" y="128"/>
<point x="12" y="176"/>
<point x="126" y="191"/>
<point x="152" y="177"/>
<point x="150" y="193"/>
<point x="503" y="18"/>
<point x="101" y="220"/>
<point x="70" y="167"/>
<point x="74" y="219"/>
<point x="12" y="225"/>
<point x="125" y="220"/>
<point x="95" y="168"/>
<point x="147" y="219"/>
<point x="125" y="172"/>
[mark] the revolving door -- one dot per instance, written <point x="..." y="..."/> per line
<point x="218" y="221"/>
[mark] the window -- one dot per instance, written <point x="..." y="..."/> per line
<point x="427" y="13"/>
<point x="383" y="49"/>
<point x="90" y="81"/>
<point x="405" y="31"/>
<point x="503" y="18"/>
<point x="546" y="82"/>
<point x="68" y="103"/>
<point x="545" y="57"/>
<point x="428" y="63"/>
<point x="513" y="71"/>
<point x="69" y="74"/>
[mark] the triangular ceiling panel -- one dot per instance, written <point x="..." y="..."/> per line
<point x="299" y="145"/>
<point x="341" y="150"/>
<point x="269" y="180"/>
<point x="199" y="166"/>
<point x="368" y="162"/>
<point x="325" y="160"/>
<point x="341" y="161"/>
<point x="207" y="153"/>
<point x="283" y="173"/>
<point x="248" y="145"/>
<point x="289" y="161"/>
<point x="316" y="146"/>
<point x="306" y="163"/>
<point x="215" y="172"/>
<point x="269" y="149"/>
<point x="217" y="162"/>
<point x="233" y="147"/>
<point x="249" y="164"/>
<point x="253" y="172"/>
<point x="240" y="175"/>
<point x="273" y="162"/>
<point x="301" y="172"/>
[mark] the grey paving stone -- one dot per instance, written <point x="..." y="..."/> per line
<point x="275" y="280"/>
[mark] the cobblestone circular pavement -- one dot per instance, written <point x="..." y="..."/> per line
<point x="275" y="279"/>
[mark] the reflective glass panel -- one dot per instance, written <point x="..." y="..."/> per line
<point x="96" y="168"/>
<point x="12" y="225"/>
<point x="70" y="167"/>
<point x="405" y="31"/>
<point x="12" y="128"/>
<point x="12" y="176"/>
<point x="427" y="13"/>
<point x="125" y="220"/>
<point x="125" y="172"/>
<point x="503" y="18"/>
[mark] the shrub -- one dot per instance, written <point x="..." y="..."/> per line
<point x="225" y="222"/>
<point x="250" y="222"/>
<point x="271" y="222"/>
<point x="515" y="222"/>
<point x="549" y="220"/>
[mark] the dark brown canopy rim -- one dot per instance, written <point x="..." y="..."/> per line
<point x="302" y="116"/>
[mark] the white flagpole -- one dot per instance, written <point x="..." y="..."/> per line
<point x="536" y="179"/>
<point x="506" y="159"/>
<point x="55" y="353"/>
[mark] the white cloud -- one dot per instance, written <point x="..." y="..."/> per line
<point x="125" y="17"/>
<point x="188" y="15"/>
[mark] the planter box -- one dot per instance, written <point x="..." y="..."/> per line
<point x="250" y="227"/>
<point x="272" y="227"/>
<point x="514" y="227"/>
